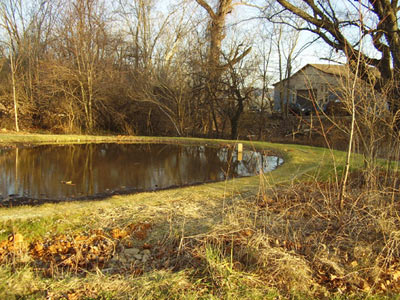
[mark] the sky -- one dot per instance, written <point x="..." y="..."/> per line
<point x="245" y="17"/>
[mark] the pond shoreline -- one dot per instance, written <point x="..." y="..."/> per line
<point x="245" y="237"/>
<point x="14" y="202"/>
<point x="28" y="139"/>
<point x="299" y="159"/>
<point x="21" y="198"/>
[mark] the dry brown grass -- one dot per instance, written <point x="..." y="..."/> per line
<point x="290" y="240"/>
<point x="295" y="239"/>
<point x="241" y="239"/>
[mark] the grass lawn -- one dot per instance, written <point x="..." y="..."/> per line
<point x="279" y="234"/>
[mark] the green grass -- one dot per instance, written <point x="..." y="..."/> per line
<point x="177" y="215"/>
<point x="300" y="162"/>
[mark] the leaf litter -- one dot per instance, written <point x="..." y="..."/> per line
<point x="297" y="239"/>
<point x="74" y="253"/>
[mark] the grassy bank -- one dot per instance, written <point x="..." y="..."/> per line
<point x="275" y="235"/>
<point x="299" y="161"/>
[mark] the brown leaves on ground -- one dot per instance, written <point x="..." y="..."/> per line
<point x="13" y="248"/>
<point x="300" y="239"/>
<point x="354" y="249"/>
<point x="138" y="230"/>
<point x="73" y="252"/>
<point x="293" y="238"/>
<point x="84" y="292"/>
<point x="285" y="265"/>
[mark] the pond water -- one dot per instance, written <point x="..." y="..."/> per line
<point x="51" y="173"/>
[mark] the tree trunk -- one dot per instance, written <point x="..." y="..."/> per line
<point x="234" y="127"/>
<point x="214" y="68"/>
<point x="236" y="117"/>
<point x="14" y="89"/>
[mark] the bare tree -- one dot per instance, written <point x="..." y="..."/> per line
<point x="263" y="59"/>
<point x="83" y="50"/>
<point x="157" y="60"/>
<point x="214" y="66"/>
<point x="13" y="23"/>
<point x="238" y="90"/>
<point x="264" y="53"/>
<point x="335" y="25"/>
<point x="41" y="16"/>
<point x="287" y="47"/>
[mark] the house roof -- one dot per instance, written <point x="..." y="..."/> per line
<point x="338" y="70"/>
<point x="331" y="69"/>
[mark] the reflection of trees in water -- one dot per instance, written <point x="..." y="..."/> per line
<point x="253" y="162"/>
<point x="81" y="170"/>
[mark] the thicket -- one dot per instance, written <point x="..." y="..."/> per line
<point x="128" y="67"/>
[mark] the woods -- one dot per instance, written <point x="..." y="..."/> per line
<point x="182" y="68"/>
<point x="131" y="67"/>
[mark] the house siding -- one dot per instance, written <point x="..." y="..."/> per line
<point x="308" y="78"/>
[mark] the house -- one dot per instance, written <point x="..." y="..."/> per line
<point x="314" y="84"/>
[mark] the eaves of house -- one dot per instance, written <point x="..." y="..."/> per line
<point x="337" y="70"/>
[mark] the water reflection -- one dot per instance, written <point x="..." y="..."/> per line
<point x="90" y="170"/>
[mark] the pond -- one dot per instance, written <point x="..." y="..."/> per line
<point x="48" y="173"/>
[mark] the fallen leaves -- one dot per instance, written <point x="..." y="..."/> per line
<point x="85" y="251"/>
<point x="119" y="234"/>
<point x="12" y="248"/>
<point x="84" y="292"/>
<point x="344" y="250"/>
<point x="73" y="252"/>
<point x="278" y="260"/>
<point x="139" y="230"/>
